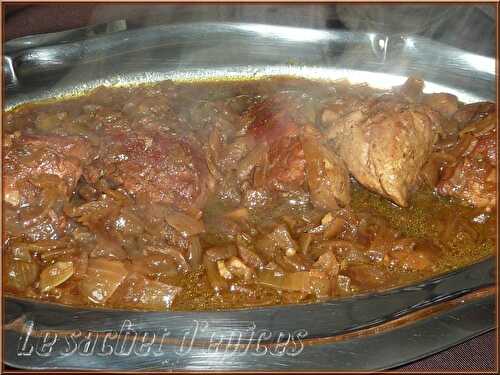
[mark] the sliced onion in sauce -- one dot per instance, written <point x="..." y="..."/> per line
<point x="315" y="282"/>
<point x="102" y="279"/>
<point x="185" y="224"/>
<point x="55" y="274"/>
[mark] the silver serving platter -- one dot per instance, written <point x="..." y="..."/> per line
<point x="365" y="332"/>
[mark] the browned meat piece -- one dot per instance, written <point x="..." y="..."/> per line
<point x="286" y="164"/>
<point x="385" y="145"/>
<point x="270" y="126"/>
<point x="473" y="112"/>
<point x="40" y="174"/>
<point x="346" y="109"/>
<point x="153" y="165"/>
<point x="296" y="154"/>
<point x="277" y="122"/>
<point x="445" y="104"/>
<point x="411" y="89"/>
<point x="440" y="107"/>
<point x="230" y="154"/>
<point x="269" y="150"/>
<point x="275" y="117"/>
<point x="473" y="177"/>
<point x="327" y="176"/>
<point x="28" y="157"/>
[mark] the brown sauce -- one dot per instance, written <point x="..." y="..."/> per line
<point x="200" y="196"/>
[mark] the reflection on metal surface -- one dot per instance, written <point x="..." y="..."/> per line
<point x="442" y="311"/>
<point x="195" y="51"/>
<point x="409" y="43"/>
<point x="292" y="34"/>
<point x="40" y="40"/>
<point x="22" y="327"/>
<point x="481" y="63"/>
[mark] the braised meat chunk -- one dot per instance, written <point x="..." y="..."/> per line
<point x="277" y="121"/>
<point x="473" y="112"/>
<point x="28" y="157"/>
<point x="40" y="175"/>
<point x="327" y="176"/>
<point x="280" y="151"/>
<point x="279" y="115"/>
<point x="384" y="145"/>
<point x="286" y="168"/>
<point x="296" y="155"/>
<point x="153" y="165"/>
<point x="472" y="176"/>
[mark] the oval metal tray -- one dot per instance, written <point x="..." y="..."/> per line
<point x="365" y="332"/>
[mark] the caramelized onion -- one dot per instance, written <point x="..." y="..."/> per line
<point x="52" y="188"/>
<point x="55" y="275"/>
<point x="139" y="292"/>
<point x="327" y="176"/>
<point x="292" y="263"/>
<point x="175" y="254"/>
<point x="254" y="158"/>
<point x="430" y="172"/>
<point x="195" y="252"/>
<point x="223" y="270"/>
<point x="213" y="153"/>
<point x="220" y="252"/>
<point x="217" y="282"/>
<point x="249" y="256"/>
<point x="102" y="279"/>
<point x="334" y="228"/>
<point x="238" y="268"/>
<point x="21" y="253"/>
<point x="463" y="145"/>
<point x="155" y="294"/>
<point x="108" y="247"/>
<point x="315" y="282"/>
<point x="56" y="253"/>
<point x="19" y="274"/>
<point x="305" y="240"/>
<point x="283" y="239"/>
<point x="328" y="263"/>
<point x="41" y="246"/>
<point x="185" y="224"/>
<point x="480" y="126"/>
<point x="238" y="214"/>
<point x="367" y="276"/>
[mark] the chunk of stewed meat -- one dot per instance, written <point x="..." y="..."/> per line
<point x="327" y="176"/>
<point x="27" y="157"/>
<point x="296" y="157"/>
<point x="384" y="146"/>
<point x="473" y="112"/>
<point x="411" y="90"/>
<point x="277" y="116"/>
<point x="472" y="178"/>
<point x="154" y="166"/>
<point x="446" y="104"/>
<point x="276" y="122"/>
<point x="40" y="175"/>
<point x="286" y="169"/>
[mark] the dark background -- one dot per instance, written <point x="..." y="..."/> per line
<point x="470" y="27"/>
